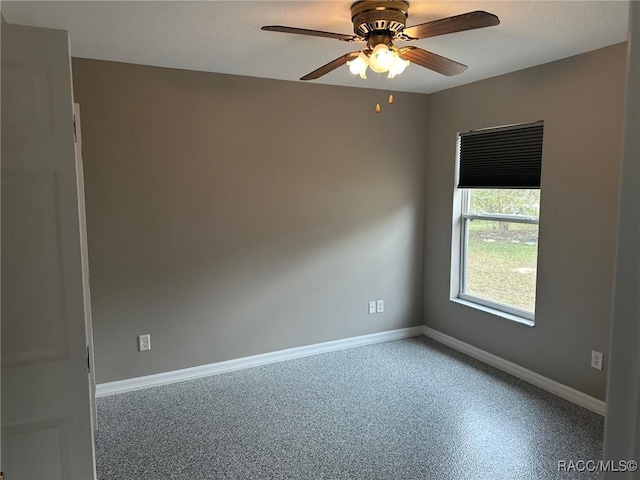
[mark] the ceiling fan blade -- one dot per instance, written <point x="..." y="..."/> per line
<point x="332" y="65"/>
<point x="432" y="61"/>
<point x="458" y="23"/>
<point x="313" y="33"/>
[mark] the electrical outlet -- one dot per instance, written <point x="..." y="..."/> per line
<point x="372" y="307"/>
<point x="596" y="359"/>
<point x="144" y="342"/>
<point x="380" y="305"/>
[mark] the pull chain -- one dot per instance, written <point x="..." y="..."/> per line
<point x="378" y="94"/>
<point x="389" y="100"/>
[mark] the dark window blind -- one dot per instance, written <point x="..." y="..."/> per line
<point x="503" y="157"/>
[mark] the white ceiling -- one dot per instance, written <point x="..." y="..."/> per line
<point x="225" y="36"/>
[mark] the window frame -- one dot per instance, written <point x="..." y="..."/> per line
<point x="465" y="217"/>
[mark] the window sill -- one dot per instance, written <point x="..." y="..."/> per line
<point x="493" y="311"/>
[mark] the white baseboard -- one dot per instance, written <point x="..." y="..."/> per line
<point x="568" y="393"/>
<point x="139" y="383"/>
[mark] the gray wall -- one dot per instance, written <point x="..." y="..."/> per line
<point x="580" y="99"/>
<point x="230" y="216"/>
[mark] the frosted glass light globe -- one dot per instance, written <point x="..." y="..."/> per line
<point x="398" y="65"/>
<point x="381" y="58"/>
<point x="358" y="66"/>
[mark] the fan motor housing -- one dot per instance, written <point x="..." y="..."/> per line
<point x="379" y="16"/>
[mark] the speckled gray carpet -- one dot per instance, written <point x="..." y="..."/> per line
<point x="407" y="409"/>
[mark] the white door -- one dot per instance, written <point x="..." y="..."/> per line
<point x="46" y="413"/>
<point x="84" y="247"/>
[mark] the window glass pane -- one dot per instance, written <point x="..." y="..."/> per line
<point x="501" y="262"/>
<point x="506" y="202"/>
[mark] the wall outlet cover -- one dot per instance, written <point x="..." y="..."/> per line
<point x="596" y="359"/>
<point x="144" y="342"/>
<point x="372" y="307"/>
<point x="380" y="306"/>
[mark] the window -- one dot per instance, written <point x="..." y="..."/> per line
<point x="498" y="215"/>
<point x="500" y="249"/>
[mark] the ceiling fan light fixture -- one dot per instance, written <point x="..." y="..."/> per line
<point x="379" y="23"/>
<point x="359" y="65"/>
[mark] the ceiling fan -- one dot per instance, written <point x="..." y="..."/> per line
<point x="379" y="23"/>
